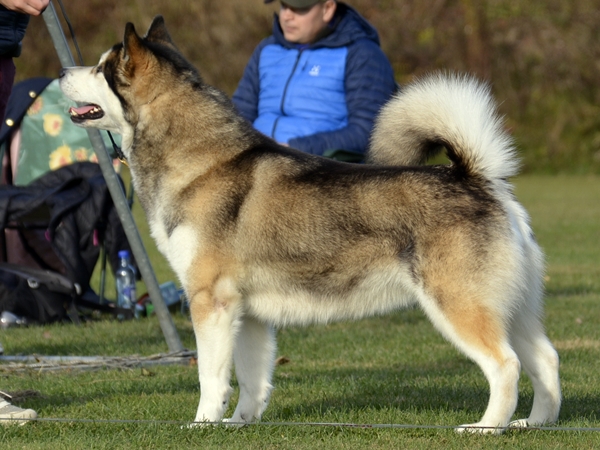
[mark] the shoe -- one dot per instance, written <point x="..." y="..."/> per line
<point x="10" y="414"/>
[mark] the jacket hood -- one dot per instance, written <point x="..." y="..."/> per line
<point x="346" y="27"/>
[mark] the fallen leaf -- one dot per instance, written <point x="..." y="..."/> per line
<point x="282" y="360"/>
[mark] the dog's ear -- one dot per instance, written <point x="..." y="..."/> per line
<point x="132" y="43"/>
<point x="157" y="32"/>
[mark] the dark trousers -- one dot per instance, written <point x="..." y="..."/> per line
<point x="7" y="77"/>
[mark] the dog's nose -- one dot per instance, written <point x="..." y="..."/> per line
<point x="62" y="72"/>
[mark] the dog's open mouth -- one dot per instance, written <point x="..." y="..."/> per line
<point x="87" y="112"/>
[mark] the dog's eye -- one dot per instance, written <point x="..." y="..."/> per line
<point x="98" y="69"/>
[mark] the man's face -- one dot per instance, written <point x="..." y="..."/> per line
<point x="303" y="25"/>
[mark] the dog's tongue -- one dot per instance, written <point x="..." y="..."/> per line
<point x="83" y="109"/>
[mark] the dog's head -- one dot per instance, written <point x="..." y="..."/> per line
<point x="129" y="76"/>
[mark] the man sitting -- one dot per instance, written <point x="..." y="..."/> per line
<point x="318" y="82"/>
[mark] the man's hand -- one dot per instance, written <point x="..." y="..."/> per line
<point x="31" y="7"/>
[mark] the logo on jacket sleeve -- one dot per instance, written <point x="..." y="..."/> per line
<point x="314" y="72"/>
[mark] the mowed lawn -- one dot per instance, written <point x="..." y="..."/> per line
<point x="378" y="373"/>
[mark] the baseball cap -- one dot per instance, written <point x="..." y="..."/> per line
<point x="297" y="3"/>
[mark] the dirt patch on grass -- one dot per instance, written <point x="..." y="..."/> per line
<point x="577" y="344"/>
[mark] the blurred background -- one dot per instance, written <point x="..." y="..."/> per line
<point x="542" y="58"/>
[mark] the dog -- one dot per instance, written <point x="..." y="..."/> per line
<point x="263" y="236"/>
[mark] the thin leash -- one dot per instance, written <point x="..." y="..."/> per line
<point x="238" y="425"/>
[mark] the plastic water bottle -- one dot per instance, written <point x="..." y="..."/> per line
<point x="125" y="279"/>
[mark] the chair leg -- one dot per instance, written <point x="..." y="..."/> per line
<point x="102" y="273"/>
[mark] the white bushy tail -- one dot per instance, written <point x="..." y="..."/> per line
<point x="453" y="111"/>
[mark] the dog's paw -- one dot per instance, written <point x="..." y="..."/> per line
<point x="478" y="428"/>
<point x="520" y="423"/>
<point x="193" y="425"/>
<point x="232" y="422"/>
<point x="227" y="422"/>
<point x="201" y="423"/>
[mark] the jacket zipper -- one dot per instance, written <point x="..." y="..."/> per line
<point x="287" y="83"/>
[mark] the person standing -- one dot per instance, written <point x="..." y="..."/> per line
<point x="14" y="18"/>
<point x="318" y="82"/>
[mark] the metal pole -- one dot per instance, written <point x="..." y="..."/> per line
<point x="118" y="196"/>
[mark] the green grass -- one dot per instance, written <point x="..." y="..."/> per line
<point x="389" y="370"/>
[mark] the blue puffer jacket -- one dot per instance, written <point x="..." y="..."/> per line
<point x="322" y="96"/>
<point x="12" y="31"/>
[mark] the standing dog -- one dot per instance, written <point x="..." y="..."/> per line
<point x="261" y="235"/>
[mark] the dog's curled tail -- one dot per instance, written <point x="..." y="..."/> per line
<point x="452" y="111"/>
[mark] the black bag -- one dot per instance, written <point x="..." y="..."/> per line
<point x="44" y="296"/>
<point x="60" y="220"/>
<point x="41" y="296"/>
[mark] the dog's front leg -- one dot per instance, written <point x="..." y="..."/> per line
<point x="254" y="358"/>
<point x="215" y="317"/>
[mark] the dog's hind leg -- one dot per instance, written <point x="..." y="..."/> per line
<point x="254" y="359"/>
<point x="540" y="362"/>
<point x="538" y="357"/>
<point x="480" y="334"/>
<point x="216" y="313"/>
